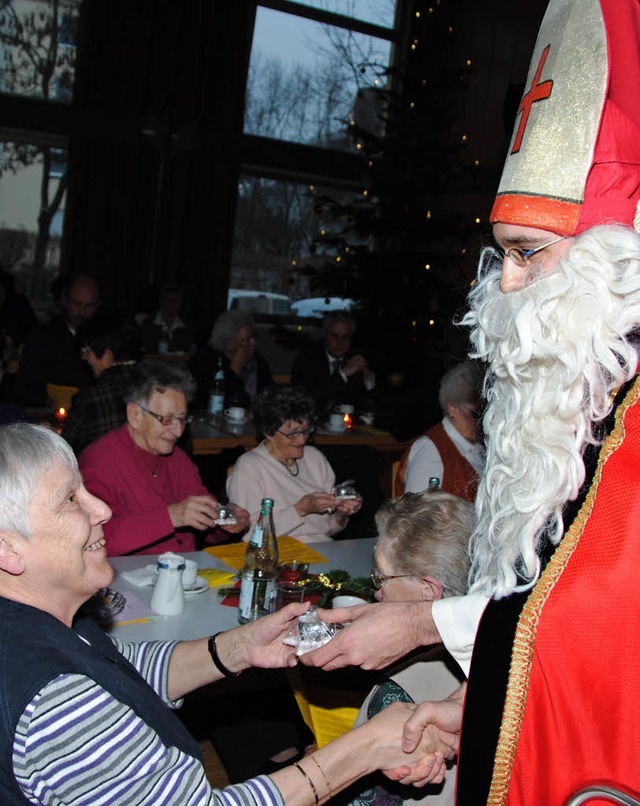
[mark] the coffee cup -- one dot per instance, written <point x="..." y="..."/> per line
<point x="190" y="574"/>
<point x="346" y="408"/>
<point x="236" y="414"/>
<point x="347" y="601"/>
<point x="336" y="421"/>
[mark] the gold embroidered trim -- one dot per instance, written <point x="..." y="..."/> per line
<point x="523" y="646"/>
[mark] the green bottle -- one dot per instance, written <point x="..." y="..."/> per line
<point x="258" y="589"/>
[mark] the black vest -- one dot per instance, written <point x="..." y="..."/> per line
<point x="35" y="648"/>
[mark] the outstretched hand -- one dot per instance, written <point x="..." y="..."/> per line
<point x="260" y="641"/>
<point x="378" y="635"/>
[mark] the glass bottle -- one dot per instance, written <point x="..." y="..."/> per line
<point x="434" y="483"/>
<point x="258" y="589"/>
<point x="216" y="398"/>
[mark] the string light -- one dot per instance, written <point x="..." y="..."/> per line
<point x="432" y="321"/>
<point x="427" y="266"/>
<point x="464" y="138"/>
<point x="294" y="262"/>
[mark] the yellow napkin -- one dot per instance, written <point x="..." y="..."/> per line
<point x="289" y="549"/>
<point x="215" y="578"/>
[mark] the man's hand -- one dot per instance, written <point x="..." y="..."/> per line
<point x="425" y="763"/>
<point x="378" y="635"/>
<point x="242" y="517"/>
<point x="435" y="725"/>
<point x="196" y="511"/>
<point x="354" y="365"/>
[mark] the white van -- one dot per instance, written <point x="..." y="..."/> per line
<point x="240" y="299"/>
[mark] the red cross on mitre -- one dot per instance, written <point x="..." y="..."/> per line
<point x="538" y="92"/>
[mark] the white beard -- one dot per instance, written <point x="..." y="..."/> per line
<point x="555" y="352"/>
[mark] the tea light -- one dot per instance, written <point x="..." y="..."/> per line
<point x="348" y="420"/>
<point x="61" y="414"/>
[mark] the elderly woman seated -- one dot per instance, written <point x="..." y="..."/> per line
<point x="283" y="467"/>
<point x="87" y="719"/>
<point x="450" y="450"/>
<point x="421" y="554"/>
<point x="153" y="488"/>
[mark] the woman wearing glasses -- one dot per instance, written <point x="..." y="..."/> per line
<point x="283" y="467"/>
<point x="153" y="488"/>
<point x="421" y="554"/>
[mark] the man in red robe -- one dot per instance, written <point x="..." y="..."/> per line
<point x="552" y="703"/>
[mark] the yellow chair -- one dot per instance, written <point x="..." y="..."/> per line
<point x="61" y="395"/>
<point x="328" y="712"/>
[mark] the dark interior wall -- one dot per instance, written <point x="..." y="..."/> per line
<point x="153" y="170"/>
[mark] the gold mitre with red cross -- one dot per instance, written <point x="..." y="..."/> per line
<point x="574" y="159"/>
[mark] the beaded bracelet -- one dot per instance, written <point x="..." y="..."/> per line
<point x="309" y="781"/>
<point x="213" y="651"/>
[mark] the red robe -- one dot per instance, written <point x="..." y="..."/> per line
<point x="572" y="710"/>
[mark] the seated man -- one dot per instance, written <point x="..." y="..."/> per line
<point x="152" y="486"/>
<point x="165" y="331"/>
<point x="330" y="371"/>
<point x="87" y="720"/>
<point x="246" y="372"/>
<point x="110" y="350"/>
<point x="50" y="353"/>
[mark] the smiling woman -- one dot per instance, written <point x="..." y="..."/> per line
<point x="283" y="467"/>
<point x="158" y="500"/>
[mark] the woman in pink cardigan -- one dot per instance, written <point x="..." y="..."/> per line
<point x="283" y="467"/>
<point x="153" y="488"/>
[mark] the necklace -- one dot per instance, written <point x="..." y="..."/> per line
<point x="293" y="468"/>
<point x="154" y="469"/>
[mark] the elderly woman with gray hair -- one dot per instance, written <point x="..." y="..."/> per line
<point x="449" y="451"/>
<point x="152" y="486"/>
<point x="421" y="554"/>
<point x="246" y="372"/>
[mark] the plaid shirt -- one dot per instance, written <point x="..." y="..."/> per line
<point x="97" y="410"/>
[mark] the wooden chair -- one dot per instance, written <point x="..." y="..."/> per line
<point x="61" y="395"/>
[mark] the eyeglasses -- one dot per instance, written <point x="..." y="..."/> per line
<point x="520" y="257"/>
<point x="302" y="432"/>
<point x="379" y="579"/>
<point x="168" y="419"/>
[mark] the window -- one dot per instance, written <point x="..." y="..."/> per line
<point x="37" y="49"/>
<point x="307" y="78"/>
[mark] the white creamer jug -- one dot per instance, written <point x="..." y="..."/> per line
<point x="167" y="598"/>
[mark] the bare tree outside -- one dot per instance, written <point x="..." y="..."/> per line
<point x="37" y="41"/>
<point x="307" y="88"/>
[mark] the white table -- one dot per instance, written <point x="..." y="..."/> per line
<point x="203" y="613"/>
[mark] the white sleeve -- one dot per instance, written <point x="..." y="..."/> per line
<point x="457" y="619"/>
<point x="423" y="463"/>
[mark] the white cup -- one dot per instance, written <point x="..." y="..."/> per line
<point x="336" y="421"/>
<point x="346" y="408"/>
<point x="347" y="601"/>
<point x="236" y="414"/>
<point x="190" y="574"/>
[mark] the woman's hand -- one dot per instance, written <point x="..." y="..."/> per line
<point x="196" y="511"/>
<point x="242" y="519"/>
<point x="316" y="503"/>
<point x="348" y="506"/>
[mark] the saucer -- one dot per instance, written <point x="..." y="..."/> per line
<point x="339" y="430"/>
<point x="231" y="421"/>
<point x="201" y="586"/>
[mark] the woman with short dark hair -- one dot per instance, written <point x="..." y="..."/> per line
<point x="283" y="467"/>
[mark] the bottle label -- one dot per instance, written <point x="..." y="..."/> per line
<point x="246" y="596"/>
<point x="256" y="536"/>
<point x="216" y="404"/>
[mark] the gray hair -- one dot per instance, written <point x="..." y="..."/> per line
<point x="152" y="376"/>
<point x="460" y="384"/>
<point x="338" y="317"/>
<point x="26" y="452"/>
<point x="227" y="326"/>
<point x="427" y="534"/>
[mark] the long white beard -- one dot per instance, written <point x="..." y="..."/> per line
<point x="555" y="351"/>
